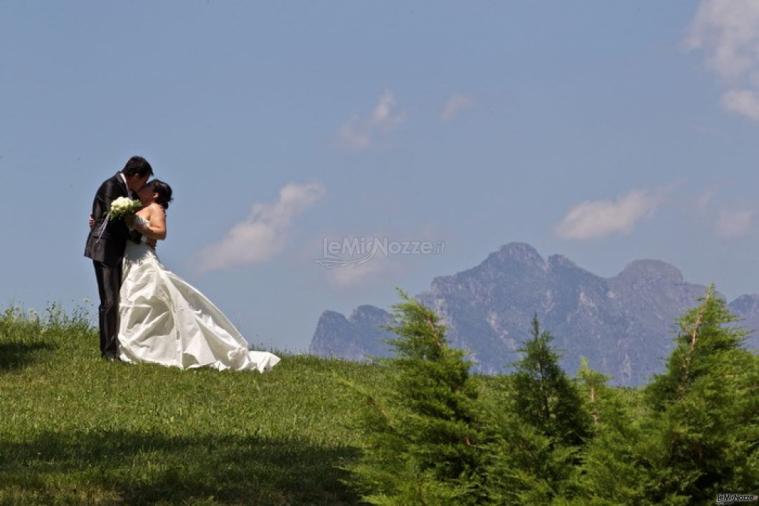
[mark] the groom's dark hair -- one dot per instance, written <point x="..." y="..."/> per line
<point x="137" y="166"/>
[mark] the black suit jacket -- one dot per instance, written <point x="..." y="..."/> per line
<point x="108" y="247"/>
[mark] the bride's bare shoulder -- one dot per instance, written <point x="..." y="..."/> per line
<point x="152" y="210"/>
<point x="157" y="209"/>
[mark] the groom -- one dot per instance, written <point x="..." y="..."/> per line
<point x="106" y="247"/>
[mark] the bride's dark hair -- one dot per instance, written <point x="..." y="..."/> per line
<point x="164" y="192"/>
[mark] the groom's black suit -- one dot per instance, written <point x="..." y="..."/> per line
<point x="106" y="250"/>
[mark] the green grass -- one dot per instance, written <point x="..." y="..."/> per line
<point x="75" y="429"/>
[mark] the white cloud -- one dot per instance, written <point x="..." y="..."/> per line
<point x="728" y="33"/>
<point x="603" y="217"/>
<point x="735" y="223"/>
<point x="745" y="102"/>
<point x="455" y="105"/>
<point x="264" y="233"/>
<point x="360" y="133"/>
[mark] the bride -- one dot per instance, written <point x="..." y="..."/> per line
<point x="165" y="320"/>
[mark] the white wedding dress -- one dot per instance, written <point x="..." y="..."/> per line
<point x="164" y="320"/>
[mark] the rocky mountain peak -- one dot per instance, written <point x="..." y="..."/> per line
<point x="517" y="253"/>
<point x="651" y="271"/>
<point x="366" y="313"/>
<point x="746" y="304"/>
<point x="561" y="261"/>
<point x="623" y="325"/>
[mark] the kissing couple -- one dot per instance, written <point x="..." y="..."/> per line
<point x="147" y="313"/>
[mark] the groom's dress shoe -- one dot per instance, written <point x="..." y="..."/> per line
<point x="112" y="358"/>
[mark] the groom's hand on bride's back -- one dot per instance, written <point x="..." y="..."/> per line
<point x="152" y="243"/>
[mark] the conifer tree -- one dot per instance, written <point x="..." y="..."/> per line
<point x="704" y="424"/>
<point x="593" y="386"/>
<point x="423" y="433"/>
<point x="545" y="398"/>
<point x="539" y="431"/>
<point x="696" y="433"/>
<point x="610" y="471"/>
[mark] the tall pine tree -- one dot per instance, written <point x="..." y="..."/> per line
<point x="610" y="471"/>
<point x="545" y="397"/>
<point x="704" y="423"/>
<point x="423" y="433"/>
<point x="539" y="431"/>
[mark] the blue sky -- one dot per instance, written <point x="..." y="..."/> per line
<point x="603" y="131"/>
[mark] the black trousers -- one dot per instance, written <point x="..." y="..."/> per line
<point x="109" y="285"/>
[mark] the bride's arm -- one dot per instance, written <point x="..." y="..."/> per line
<point x="156" y="228"/>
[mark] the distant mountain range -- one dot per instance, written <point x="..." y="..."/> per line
<point x="624" y="325"/>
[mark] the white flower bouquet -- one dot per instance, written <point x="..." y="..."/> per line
<point x="120" y="207"/>
<point x="123" y="206"/>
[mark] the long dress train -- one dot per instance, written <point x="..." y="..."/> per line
<point x="165" y="320"/>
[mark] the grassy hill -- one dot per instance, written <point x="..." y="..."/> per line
<point x="75" y="429"/>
